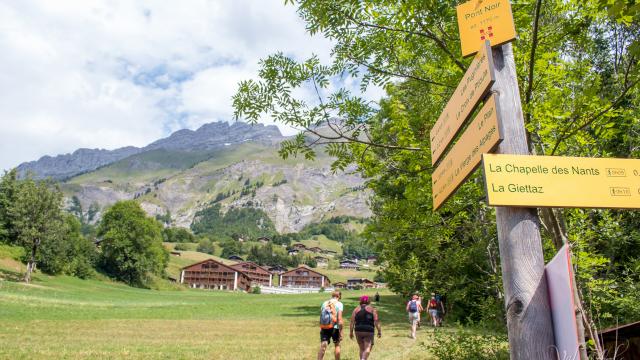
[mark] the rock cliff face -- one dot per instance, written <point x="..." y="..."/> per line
<point x="233" y="165"/>
<point x="68" y="165"/>
<point x="208" y="137"/>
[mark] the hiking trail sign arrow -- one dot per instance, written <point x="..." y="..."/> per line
<point x="473" y="87"/>
<point x="558" y="181"/>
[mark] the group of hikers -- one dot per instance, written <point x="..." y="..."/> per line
<point x="365" y="321"/>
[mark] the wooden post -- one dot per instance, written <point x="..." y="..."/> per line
<point x="526" y="298"/>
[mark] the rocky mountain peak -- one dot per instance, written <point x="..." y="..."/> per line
<point x="209" y="136"/>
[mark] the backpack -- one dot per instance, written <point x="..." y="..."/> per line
<point x="433" y="304"/>
<point x="413" y="306"/>
<point x="328" y="315"/>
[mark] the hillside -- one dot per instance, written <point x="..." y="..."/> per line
<point x="171" y="178"/>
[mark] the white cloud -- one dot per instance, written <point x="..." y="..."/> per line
<point x="112" y="73"/>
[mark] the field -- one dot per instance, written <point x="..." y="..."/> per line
<point x="68" y="318"/>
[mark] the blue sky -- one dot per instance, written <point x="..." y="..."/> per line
<point x="113" y="73"/>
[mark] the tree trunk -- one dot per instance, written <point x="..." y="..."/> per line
<point x="32" y="261"/>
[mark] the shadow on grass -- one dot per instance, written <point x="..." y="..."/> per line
<point x="9" y="275"/>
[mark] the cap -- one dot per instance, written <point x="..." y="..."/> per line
<point x="364" y="299"/>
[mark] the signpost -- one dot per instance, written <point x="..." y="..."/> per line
<point x="554" y="181"/>
<point x="482" y="136"/>
<point x="472" y="88"/>
<point x="559" y="278"/>
<point x="480" y="20"/>
<point x="517" y="183"/>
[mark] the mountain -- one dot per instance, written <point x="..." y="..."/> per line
<point x="233" y="165"/>
<point x="208" y="137"/>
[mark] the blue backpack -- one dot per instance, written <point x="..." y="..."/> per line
<point x="413" y="306"/>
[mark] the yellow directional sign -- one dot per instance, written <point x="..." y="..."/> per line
<point x="473" y="87"/>
<point x="482" y="135"/>
<point x="554" y="181"/>
<point x="480" y="20"/>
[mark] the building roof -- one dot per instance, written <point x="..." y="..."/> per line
<point x="235" y="257"/>
<point x="228" y="267"/>
<point x="251" y="263"/>
<point x="625" y="331"/>
<point x="348" y="261"/>
<point x="302" y="267"/>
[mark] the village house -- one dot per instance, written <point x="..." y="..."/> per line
<point x="257" y="274"/>
<point x="304" y="277"/>
<point x="293" y="252"/>
<point x="340" y="285"/>
<point x="277" y="269"/>
<point x="349" y="264"/>
<point x="175" y="253"/>
<point x="264" y="240"/>
<point x="235" y="258"/>
<point x="371" y="260"/>
<point x="330" y="253"/>
<point x="299" y="246"/>
<point x="361" y="283"/>
<point x="211" y="274"/>
<point x="321" y="261"/>
<point x="315" y="249"/>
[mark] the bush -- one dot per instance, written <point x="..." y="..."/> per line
<point x="463" y="345"/>
<point x="205" y="246"/>
<point x="182" y="247"/>
<point x="256" y="290"/>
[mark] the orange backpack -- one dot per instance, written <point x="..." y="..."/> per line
<point x="328" y="316"/>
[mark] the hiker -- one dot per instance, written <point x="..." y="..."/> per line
<point x="414" y="308"/>
<point x="331" y="324"/>
<point x="440" y="308"/>
<point x="432" y="309"/>
<point x="377" y="297"/>
<point x="364" y="321"/>
<point x="419" y="313"/>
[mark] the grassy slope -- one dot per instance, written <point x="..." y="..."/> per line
<point x="324" y="243"/>
<point x="63" y="317"/>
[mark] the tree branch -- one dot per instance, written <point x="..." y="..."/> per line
<point x="565" y="134"/>
<point x="397" y="74"/>
<point x="428" y="34"/>
<point x="532" y="57"/>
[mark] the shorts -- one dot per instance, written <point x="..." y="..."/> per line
<point x="364" y="336"/>
<point x="433" y="312"/>
<point x="328" y="334"/>
<point x="414" y="317"/>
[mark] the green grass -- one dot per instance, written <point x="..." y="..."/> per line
<point x="68" y="318"/>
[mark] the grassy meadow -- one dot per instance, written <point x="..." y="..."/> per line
<point x="69" y="318"/>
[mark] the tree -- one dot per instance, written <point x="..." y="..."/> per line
<point x="8" y="189"/>
<point x="94" y="209"/>
<point x="76" y="208"/>
<point x="131" y="244"/>
<point x="178" y="235"/>
<point x="37" y="218"/>
<point x="578" y="72"/>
